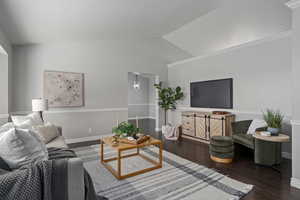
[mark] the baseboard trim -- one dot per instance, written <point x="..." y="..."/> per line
<point x="295" y="182"/>
<point x="85" y="139"/>
<point x="286" y="155"/>
<point x="157" y="129"/>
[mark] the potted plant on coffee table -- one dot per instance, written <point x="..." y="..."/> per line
<point x="126" y="129"/>
<point x="168" y="98"/>
<point x="274" y="121"/>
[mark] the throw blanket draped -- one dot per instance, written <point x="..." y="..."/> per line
<point x="29" y="182"/>
<point x="46" y="180"/>
<point x="172" y="132"/>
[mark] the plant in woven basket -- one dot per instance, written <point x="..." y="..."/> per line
<point x="168" y="98"/>
<point x="126" y="129"/>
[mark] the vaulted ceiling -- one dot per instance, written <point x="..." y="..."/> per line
<point x="42" y="21"/>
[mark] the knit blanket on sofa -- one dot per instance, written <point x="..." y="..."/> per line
<point x="46" y="180"/>
<point x="30" y="182"/>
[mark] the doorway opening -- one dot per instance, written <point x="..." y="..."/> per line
<point x="143" y="109"/>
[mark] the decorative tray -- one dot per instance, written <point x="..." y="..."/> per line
<point x="137" y="141"/>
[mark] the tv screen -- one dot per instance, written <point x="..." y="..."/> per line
<point x="212" y="94"/>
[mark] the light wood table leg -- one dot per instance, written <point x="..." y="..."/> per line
<point x="101" y="153"/>
<point x="160" y="154"/>
<point x="119" y="163"/>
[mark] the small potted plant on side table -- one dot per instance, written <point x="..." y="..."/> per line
<point x="274" y="121"/>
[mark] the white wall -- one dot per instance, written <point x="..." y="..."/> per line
<point x="261" y="77"/>
<point x="152" y="100"/>
<point x="234" y="23"/>
<point x="105" y="64"/>
<point x="4" y="83"/>
<point x="5" y="73"/>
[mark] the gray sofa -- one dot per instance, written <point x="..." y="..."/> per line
<point x="75" y="170"/>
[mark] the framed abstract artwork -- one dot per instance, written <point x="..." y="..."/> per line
<point x="64" y="89"/>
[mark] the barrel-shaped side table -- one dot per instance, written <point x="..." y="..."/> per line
<point x="268" y="148"/>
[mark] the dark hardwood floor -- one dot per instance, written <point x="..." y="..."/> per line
<point x="268" y="183"/>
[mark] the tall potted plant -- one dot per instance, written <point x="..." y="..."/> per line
<point x="274" y="121"/>
<point x="168" y="98"/>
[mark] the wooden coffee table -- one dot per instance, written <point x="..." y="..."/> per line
<point x="123" y="147"/>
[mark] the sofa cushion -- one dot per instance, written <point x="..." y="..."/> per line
<point x="244" y="139"/>
<point x="58" y="142"/>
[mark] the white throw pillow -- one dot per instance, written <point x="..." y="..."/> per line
<point x="19" y="147"/>
<point x="255" y="124"/>
<point x="27" y="124"/>
<point x="46" y="132"/>
<point x="35" y="117"/>
<point x="6" y="127"/>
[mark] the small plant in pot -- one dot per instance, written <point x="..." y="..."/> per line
<point x="168" y="98"/>
<point x="126" y="129"/>
<point x="274" y="121"/>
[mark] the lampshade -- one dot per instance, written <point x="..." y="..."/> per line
<point x="39" y="105"/>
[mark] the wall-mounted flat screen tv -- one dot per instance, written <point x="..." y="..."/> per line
<point x="212" y="94"/>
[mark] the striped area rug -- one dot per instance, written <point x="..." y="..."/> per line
<point x="178" y="179"/>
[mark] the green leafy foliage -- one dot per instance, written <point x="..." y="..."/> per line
<point x="168" y="97"/>
<point x="126" y="129"/>
<point x="273" y="118"/>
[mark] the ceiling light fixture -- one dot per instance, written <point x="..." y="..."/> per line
<point x="136" y="83"/>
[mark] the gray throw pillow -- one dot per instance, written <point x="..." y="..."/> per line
<point x="47" y="132"/>
<point x="20" y="147"/>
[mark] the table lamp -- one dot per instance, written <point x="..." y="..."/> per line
<point x="39" y="105"/>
